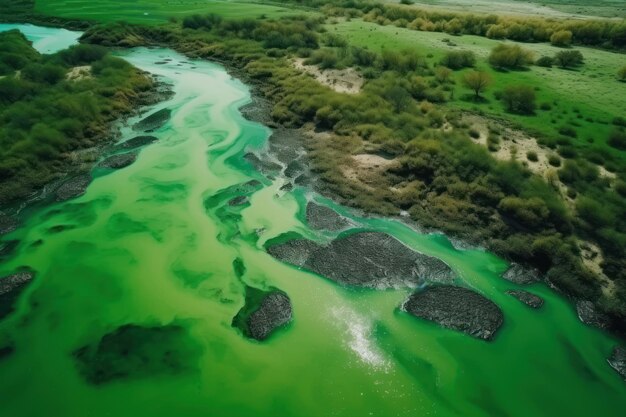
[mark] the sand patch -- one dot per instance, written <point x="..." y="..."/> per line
<point x="347" y="81"/>
<point x="592" y="258"/>
<point x="79" y="73"/>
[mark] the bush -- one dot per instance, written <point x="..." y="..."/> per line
<point x="554" y="160"/>
<point x="519" y="99"/>
<point x="569" y="59"/>
<point x="617" y="139"/>
<point x="545" y="61"/>
<point x="621" y="74"/>
<point x="505" y="56"/>
<point x="477" y="81"/>
<point x="459" y="59"/>
<point x="532" y="156"/>
<point x="561" y="38"/>
<point x="568" y="131"/>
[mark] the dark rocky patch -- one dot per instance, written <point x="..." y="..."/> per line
<point x="262" y="313"/>
<point x="137" y="142"/>
<point x="530" y="299"/>
<point x="287" y="187"/>
<point x="60" y="228"/>
<point x="262" y="164"/>
<point x="364" y="259"/>
<point x="132" y="352"/>
<point x="154" y="121"/>
<point x="294" y="168"/>
<point x="8" y="247"/>
<point x="589" y="314"/>
<point x="618" y="361"/>
<point x="324" y="218"/>
<point x="7" y="224"/>
<point x="73" y="188"/>
<point x="118" y="161"/>
<point x="521" y="275"/>
<point x="11" y="287"/>
<point x="238" y="201"/>
<point x="457" y="308"/>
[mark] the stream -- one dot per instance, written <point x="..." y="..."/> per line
<point x="140" y="248"/>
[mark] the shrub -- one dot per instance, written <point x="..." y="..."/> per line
<point x="443" y="74"/>
<point x="621" y="74"/>
<point x="568" y="131"/>
<point x="510" y="57"/>
<point x="561" y="38"/>
<point x="519" y="99"/>
<point x="545" y="61"/>
<point x="554" y="160"/>
<point x="532" y="156"/>
<point x="617" y="139"/>
<point x="569" y="59"/>
<point x="474" y="133"/>
<point x="459" y="59"/>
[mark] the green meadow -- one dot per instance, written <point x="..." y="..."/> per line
<point x="156" y="11"/>
<point x="587" y="99"/>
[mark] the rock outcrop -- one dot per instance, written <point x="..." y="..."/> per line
<point x="74" y="187"/>
<point x="618" y="361"/>
<point x="365" y="259"/>
<point x="263" y="313"/>
<point x="521" y="275"/>
<point x="137" y="142"/>
<point x="589" y="314"/>
<point x="456" y="308"/>
<point x="11" y="287"/>
<point x="118" y="161"/>
<point x="153" y="121"/>
<point x="324" y="218"/>
<point x="530" y="299"/>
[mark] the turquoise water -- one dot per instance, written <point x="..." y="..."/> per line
<point x="45" y="40"/>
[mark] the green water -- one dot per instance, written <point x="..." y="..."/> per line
<point x="45" y="40"/>
<point x="144" y="250"/>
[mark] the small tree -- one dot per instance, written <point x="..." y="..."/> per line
<point x="398" y="97"/>
<point x="477" y="81"/>
<point x="519" y="99"/>
<point x="569" y="59"/>
<point x="459" y="59"/>
<point x="561" y="38"/>
<point x="621" y="74"/>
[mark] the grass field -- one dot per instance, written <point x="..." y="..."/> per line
<point x="156" y="11"/>
<point x="576" y="97"/>
<point x="539" y="8"/>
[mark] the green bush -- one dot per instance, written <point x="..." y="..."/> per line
<point x="561" y="38"/>
<point x="519" y="99"/>
<point x="545" y="61"/>
<point x="505" y="56"/>
<point x="569" y="59"/>
<point x="459" y="59"/>
<point x="617" y="139"/>
<point x="532" y="156"/>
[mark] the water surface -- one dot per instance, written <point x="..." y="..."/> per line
<point x="45" y="40"/>
<point x="142" y="248"/>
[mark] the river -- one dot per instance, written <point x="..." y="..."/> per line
<point x="140" y="248"/>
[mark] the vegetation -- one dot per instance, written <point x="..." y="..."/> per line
<point x="477" y="81"/>
<point x="569" y="59"/>
<point x="519" y="99"/>
<point x="513" y="57"/>
<point x="45" y="117"/>
<point x="621" y="74"/>
<point x="459" y="59"/>
<point x="561" y="38"/>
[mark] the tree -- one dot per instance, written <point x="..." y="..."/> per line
<point x="477" y="81"/>
<point x="561" y="38"/>
<point x="510" y="57"/>
<point x="621" y="74"/>
<point x="519" y="99"/>
<point x="568" y="59"/>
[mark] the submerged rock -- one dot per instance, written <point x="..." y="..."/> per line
<point x="262" y="313"/>
<point x="324" y="218"/>
<point x="11" y="286"/>
<point x="456" y="308"/>
<point x="133" y="351"/>
<point x="521" y="275"/>
<point x="238" y="201"/>
<point x="74" y="187"/>
<point x="530" y="299"/>
<point x="264" y="164"/>
<point x="618" y="361"/>
<point x="118" y="161"/>
<point x="137" y="142"/>
<point x="588" y="314"/>
<point x="154" y="121"/>
<point x="364" y="259"/>
<point x="7" y="224"/>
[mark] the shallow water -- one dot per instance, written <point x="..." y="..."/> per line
<point x="142" y="249"/>
<point x="45" y="40"/>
